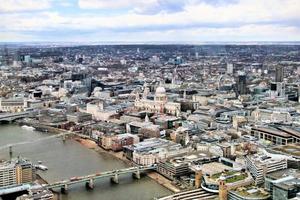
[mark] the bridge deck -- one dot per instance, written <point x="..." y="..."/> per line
<point x="96" y="176"/>
<point x="17" y="115"/>
<point x="82" y="179"/>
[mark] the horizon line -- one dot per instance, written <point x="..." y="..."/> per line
<point x="151" y="43"/>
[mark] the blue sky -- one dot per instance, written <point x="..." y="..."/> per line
<point x="149" y="20"/>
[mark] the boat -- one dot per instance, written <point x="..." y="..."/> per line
<point x="41" y="167"/>
<point x="75" y="179"/>
<point x="28" y="127"/>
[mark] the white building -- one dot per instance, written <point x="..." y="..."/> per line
<point x="7" y="175"/>
<point x="160" y="103"/>
<point x="261" y="164"/>
<point x="12" y="105"/>
<point x="229" y="68"/>
<point x="98" y="112"/>
<point x="266" y="115"/>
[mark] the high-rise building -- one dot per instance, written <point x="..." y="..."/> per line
<point x="25" y="172"/>
<point x="16" y="171"/>
<point x="7" y="174"/>
<point x="5" y="56"/>
<point x="298" y="70"/>
<point x="241" y="83"/>
<point x="27" y="59"/>
<point x="279" y="73"/>
<point x="229" y="68"/>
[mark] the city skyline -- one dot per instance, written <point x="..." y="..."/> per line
<point x="132" y="21"/>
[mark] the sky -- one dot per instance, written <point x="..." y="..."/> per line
<point x="149" y="20"/>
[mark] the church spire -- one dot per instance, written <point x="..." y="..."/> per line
<point x="147" y="118"/>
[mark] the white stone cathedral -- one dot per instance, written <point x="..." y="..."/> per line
<point x="160" y="103"/>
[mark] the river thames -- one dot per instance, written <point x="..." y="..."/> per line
<point x="69" y="159"/>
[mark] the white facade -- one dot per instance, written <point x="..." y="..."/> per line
<point x="160" y="103"/>
<point x="12" y="105"/>
<point x="271" y="116"/>
<point x="259" y="165"/>
<point x="98" y="112"/>
<point x="7" y="175"/>
<point x="229" y="68"/>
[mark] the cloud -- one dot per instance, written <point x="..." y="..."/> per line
<point x="104" y="4"/>
<point x="193" y="15"/>
<point x="23" y="5"/>
<point x="137" y="6"/>
<point x="160" y="20"/>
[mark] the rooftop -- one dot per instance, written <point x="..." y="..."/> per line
<point x="289" y="149"/>
<point x="214" y="168"/>
<point x="272" y="131"/>
<point x="251" y="192"/>
<point x="266" y="159"/>
<point x="284" y="173"/>
<point x="289" y="183"/>
<point x="230" y="176"/>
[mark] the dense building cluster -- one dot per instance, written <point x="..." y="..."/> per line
<point x="224" y="119"/>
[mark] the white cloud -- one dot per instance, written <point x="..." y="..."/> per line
<point x="248" y="10"/>
<point x="264" y="19"/>
<point x="23" y="5"/>
<point x="105" y="4"/>
<point x="197" y="15"/>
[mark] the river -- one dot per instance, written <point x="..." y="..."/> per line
<point x="69" y="159"/>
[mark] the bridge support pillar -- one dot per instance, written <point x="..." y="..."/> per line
<point x="137" y="174"/>
<point x="90" y="185"/>
<point x="64" y="189"/>
<point x="115" y="179"/>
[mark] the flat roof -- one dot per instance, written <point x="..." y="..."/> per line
<point x="251" y="192"/>
<point x="284" y="173"/>
<point x="214" y="168"/>
<point x="290" y="131"/>
<point x="272" y="132"/>
<point x="289" y="184"/>
<point x="289" y="149"/>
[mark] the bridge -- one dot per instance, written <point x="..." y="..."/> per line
<point x="9" y="117"/>
<point x="89" y="179"/>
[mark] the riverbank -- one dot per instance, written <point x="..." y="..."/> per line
<point x="40" y="180"/>
<point x="119" y="155"/>
<point x="70" y="159"/>
<point x="90" y="144"/>
<point x="163" y="181"/>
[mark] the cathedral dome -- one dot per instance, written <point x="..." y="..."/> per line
<point x="160" y="90"/>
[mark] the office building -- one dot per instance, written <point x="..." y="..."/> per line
<point x="229" y="68"/>
<point x="279" y="74"/>
<point x="260" y="164"/>
<point x="241" y="84"/>
<point x="7" y="174"/>
<point x="16" y="171"/>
